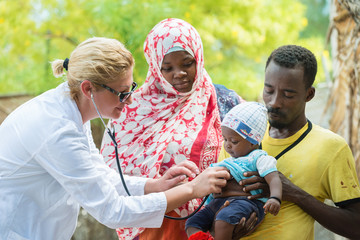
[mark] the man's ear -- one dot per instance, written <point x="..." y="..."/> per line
<point x="310" y="93"/>
<point x="86" y="88"/>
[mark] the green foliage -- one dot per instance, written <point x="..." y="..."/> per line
<point x="317" y="12"/>
<point x="237" y="36"/>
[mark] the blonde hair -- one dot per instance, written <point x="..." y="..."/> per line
<point x="98" y="60"/>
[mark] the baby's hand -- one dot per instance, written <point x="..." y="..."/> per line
<point x="272" y="206"/>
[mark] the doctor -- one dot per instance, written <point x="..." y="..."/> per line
<point x="49" y="165"/>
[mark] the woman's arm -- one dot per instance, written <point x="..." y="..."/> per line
<point x="209" y="181"/>
<point x="175" y="175"/>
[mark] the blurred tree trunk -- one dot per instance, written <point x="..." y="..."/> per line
<point x="89" y="228"/>
<point x="344" y="37"/>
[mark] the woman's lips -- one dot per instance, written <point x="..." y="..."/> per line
<point x="183" y="85"/>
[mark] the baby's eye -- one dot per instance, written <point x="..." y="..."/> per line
<point x="234" y="142"/>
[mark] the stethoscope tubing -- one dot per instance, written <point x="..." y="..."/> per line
<point x="112" y="137"/>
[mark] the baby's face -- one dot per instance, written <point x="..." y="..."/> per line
<point x="235" y="144"/>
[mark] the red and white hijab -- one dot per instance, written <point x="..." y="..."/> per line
<point x="162" y="126"/>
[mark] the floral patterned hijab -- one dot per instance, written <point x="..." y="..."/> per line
<point x="162" y="126"/>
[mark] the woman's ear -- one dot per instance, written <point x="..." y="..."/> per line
<point x="86" y="88"/>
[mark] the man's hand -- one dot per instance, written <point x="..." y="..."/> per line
<point x="245" y="227"/>
<point x="232" y="188"/>
<point x="254" y="182"/>
<point x="244" y="187"/>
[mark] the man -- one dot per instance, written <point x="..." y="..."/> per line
<point x="316" y="163"/>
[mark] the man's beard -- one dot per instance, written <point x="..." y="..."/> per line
<point x="276" y="124"/>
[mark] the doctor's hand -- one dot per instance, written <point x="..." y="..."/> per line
<point x="173" y="176"/>
<point x="211" y="180"/>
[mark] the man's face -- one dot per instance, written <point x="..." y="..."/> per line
<point x="284" y="95"/>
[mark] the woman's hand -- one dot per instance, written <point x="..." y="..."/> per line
<point x="211" y="180"/>
<point x="173" y="176"/>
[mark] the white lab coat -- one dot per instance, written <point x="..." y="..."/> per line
<point x="49" y="167"/>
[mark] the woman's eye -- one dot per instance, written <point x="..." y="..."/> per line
<point x="189" y="64"/>
<point x="166" y="69"/>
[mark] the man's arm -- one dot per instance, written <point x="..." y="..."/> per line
<point x="343" y="221"/>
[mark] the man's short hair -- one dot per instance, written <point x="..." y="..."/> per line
<point x="292" y="56"/>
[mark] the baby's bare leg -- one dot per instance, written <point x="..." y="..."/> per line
<point x="223" y="230"/>
<point x="192" y="230"/>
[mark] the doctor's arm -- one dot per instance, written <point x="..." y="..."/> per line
<point x="209" y="181"/>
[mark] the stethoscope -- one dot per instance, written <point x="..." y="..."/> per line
<point x="112" y="137"/>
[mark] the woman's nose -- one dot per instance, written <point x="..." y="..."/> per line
<point x="180" y="74"/>
<point x="129" y="100"/>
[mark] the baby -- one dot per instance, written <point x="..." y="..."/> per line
<point x="243" y="128"/>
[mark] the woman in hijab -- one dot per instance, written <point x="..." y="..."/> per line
<point x="175" y="116"/>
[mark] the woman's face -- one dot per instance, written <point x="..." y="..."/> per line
<point x="179" y="69"/>
<point x="108" y="103"/>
